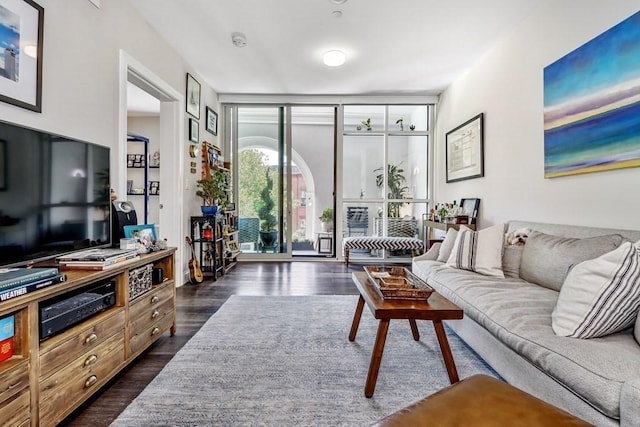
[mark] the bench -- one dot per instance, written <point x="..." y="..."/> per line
<point x="377" y="243"/>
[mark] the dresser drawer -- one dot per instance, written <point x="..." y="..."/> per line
<point x="96" y="331"/>
<point x="150" y="300"/>
<point x="82" y="376"/>
<point x="151" y="315"/>
<point x="16" y="411"/>
<point x="13" y="381"/>
<point x="142" y="340"/>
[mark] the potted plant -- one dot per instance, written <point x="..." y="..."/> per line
<point x="326" y="220"/>
<point x="268" y="222"/>
<point x="213" y="191"/>
<point x="367" y="123"/>
<point x="396" y="178"/>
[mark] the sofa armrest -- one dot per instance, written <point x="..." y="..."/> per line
<point x="431" y="254"/>
<point x="630" y="403"/>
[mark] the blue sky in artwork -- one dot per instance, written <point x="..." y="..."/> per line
<point x="611" y="58"/>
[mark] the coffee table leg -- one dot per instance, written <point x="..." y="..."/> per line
<point x="446" y="351"/>
<point x="356" y="319"/>
<point x="414" y="329"/>
<point x="376" y="357"/>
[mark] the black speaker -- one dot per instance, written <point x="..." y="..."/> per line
<point x="122" y="213"/>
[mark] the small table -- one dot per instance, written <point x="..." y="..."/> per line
<point x="325" y="242"/>
<point x="437" y="308"/>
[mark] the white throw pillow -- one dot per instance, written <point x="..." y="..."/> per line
<point x="636" y="329"/>
<point x="479" y="251"/>
<point x="599" y="296"/>
<point x="447" y="245"/>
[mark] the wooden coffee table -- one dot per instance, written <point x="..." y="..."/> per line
<point x="436" y="309"/>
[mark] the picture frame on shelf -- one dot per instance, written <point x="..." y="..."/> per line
<point x="193" y="130"/>
<point x="193" y="96"/>
<point x="470" y="207"/>
<point x="24" y="24"/>
<point x="154" y="188"/>
<point x="465" y="150"/>
<point x="211" y="121"/>
<point x="141" y="231"/>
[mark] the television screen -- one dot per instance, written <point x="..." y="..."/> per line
<point x="54" y="195"/>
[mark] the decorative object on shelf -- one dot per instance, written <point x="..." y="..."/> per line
<point x="193" y="96"/>
<point x="358" y="127"/>
<point x="367" y="123"/>
<point x="154" y="188"/>
<point x="464" y="150"/>
<point x="193" y="130"/>
<point x="412" y="127"/>
<point x="193" y="151"/>
<point x="145" y="235"/>
<point x="155" y="159"/>
<point x="211" y="121"/>
<point x="268" y="222"/>
<point x="212" y="190"/>
<point x="395" y="177"/>
<point x="399" y="122"/>
<point x="22" y="88"/>
<point x="326" y="219"/>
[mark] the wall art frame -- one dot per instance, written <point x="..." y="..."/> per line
<point x="194" y="130"/>
<point x="465" y="150"/>
<point x="22" y="32"/>
<point x="211" y="120"/>
<point x="193" y="96"/>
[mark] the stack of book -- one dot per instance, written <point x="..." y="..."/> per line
<point x="15" y="282"/>
<point x="96" y="259"/>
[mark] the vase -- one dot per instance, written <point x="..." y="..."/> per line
<point x="209" y="210"/>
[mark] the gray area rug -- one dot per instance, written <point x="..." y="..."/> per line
<point x="287" y="360"/>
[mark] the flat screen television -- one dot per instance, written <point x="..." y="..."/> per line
<point x="54" y="195"/>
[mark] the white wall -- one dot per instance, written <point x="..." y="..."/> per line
<point x="80" y="87"/>
<point x="507" y="85"/>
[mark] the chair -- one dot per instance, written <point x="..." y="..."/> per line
<point x="249" y="232"/>
<point x="357" y="220"/>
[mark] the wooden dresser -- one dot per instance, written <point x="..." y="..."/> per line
<point x="46" y="380"/>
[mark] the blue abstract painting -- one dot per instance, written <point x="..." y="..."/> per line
<point x="592" y="104"/>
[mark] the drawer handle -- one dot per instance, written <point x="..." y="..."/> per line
<point x="14" y="385"/>
<point x="91" y="338"/>
<point x="155" y="314"/>
<point x="91" y="360"/>
<point x="155" y="331"/>
<point x="90" y="381"/>
<point x="154" y="299"/>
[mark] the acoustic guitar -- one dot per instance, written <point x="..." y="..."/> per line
<point x="195" y="273"/>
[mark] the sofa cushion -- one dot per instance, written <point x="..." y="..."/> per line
<point x="511" y="257"/>
<point x="636" y="330"/>
<point x="479" y="251"/>
<point x="546" y="258"/>
<point x="600" y="296"/>
<point x="447" y="245"/>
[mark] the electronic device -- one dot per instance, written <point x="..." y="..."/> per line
<point x="55" y="195"/>
<point x="57" y="314"/>
<point x="122" y="213"/>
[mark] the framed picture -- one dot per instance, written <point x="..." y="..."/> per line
<point x="193" y="130"/>
<point x="154" y="188"/>
<point x="193" y="96"/>
<point x="212" y="121"/>
<point x="21" y="33"/>
<point x="142" y="231"/>
<point x="470" y="207"/>
<point x="465" y="150"/>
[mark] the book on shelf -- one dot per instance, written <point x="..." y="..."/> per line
<point x="105" y="255"/>
<point x="12" y="277"/>
<point x="95" y="265"/>
<point x="35" y="285"/>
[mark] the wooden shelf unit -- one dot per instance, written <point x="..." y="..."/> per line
<point x="44" y="381"/>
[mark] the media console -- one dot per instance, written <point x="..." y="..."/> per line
<point x="72" y="338"/>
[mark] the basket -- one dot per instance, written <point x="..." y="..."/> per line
<point x="140" y="280"/>
<point x="398" y="283"/>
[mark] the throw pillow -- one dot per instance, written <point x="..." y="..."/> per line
<point x="599" y="296"/>
<point x="546" y="259"/>
<point x="511" y="260"/>
<point x="636" y="329"/>
<point x="479" y="251"/>
<point x="447" y="245"/>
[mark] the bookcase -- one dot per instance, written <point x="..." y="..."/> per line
<point x="215" y="240"/>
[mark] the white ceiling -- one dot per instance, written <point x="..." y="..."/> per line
<point x="402" y="47"/>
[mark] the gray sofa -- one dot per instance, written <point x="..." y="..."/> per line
<point x="508" y="323"/>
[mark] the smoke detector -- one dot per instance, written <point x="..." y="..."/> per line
<point x="239" y="39"/>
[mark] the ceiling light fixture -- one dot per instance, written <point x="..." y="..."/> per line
<point x="334" y="58"/>
<point x="338" y="1"/>
<point x="239" y="39"/>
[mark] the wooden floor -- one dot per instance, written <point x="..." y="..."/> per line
<point x="195" y="304"/>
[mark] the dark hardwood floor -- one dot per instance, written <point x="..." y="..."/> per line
<point x="194" y="305"/>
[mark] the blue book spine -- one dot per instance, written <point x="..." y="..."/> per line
<point x="34" y="286"/>
<point x="26" y="276"/>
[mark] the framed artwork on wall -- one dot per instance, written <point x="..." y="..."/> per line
<point x="212" y="121"/>
<point x="193" y="130"/>
<point x="193" y="96"/>
<point x="465" y="150"/>
<point x="21" y="33"/>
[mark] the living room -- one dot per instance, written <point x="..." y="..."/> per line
<point x="90" y="51"/>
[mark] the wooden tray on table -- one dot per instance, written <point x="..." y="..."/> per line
<point x="398" y="283"/>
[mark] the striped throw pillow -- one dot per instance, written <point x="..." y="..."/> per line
<point x="600" y="296"/>
<point x="479" y="251"/>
